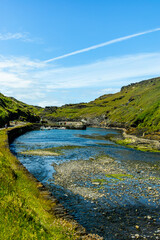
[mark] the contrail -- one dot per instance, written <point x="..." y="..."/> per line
<point x="102" y="45"/>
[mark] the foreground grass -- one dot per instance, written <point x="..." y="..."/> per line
<point x="24" y="212"/>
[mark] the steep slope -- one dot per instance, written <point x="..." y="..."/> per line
<point x="136" y="105"/>
<point x="12" y="109"/>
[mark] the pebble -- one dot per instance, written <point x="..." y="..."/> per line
<point x="113" y="197"/>
<point x="137" y="235"/>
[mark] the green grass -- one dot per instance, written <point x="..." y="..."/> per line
<point x="24" y="212"/>
<point x="12" y="109"/>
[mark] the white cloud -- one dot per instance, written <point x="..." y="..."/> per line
<point x="20" y="36"/>
<point x="103" y="44"/>
<point x="15" y="36"/>
<point x="17" y="63"/>
<point x="16" y="73"/>
<point x="37" y="83"/>
<point x="108" y="90"/>
<point x="26" y="94"/>
<point x="50" y="103"/>
<point x="12" y="81"/>
<point x="108" y="73"/>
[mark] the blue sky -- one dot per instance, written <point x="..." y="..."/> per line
<point x="34" y="32"/>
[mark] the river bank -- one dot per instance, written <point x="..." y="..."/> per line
<point x="27" y="209"/>
<point x="132" y="141"/>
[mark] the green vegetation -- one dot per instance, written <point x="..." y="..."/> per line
<point x="40" y="152"/>
<point x="119" y="176"/>
<point x="136" y="106"/>
<point x="60" y="149"/>
<point x="12" y="109"/>
<point x="131" y="144"/>
<point x="25" y="213"/>
<point x="98" y="137"/>
<point x="54" y="151"/>
<point x="112" y="178"/>
<point x="99" y="180"/>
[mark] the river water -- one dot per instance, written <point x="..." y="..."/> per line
<point x="111" y="190"/>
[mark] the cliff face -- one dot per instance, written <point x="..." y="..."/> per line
<point x="12" y="109"/>
<point x="136" y="105"/>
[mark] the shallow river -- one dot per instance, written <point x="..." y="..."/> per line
<point x="111" y="190"/>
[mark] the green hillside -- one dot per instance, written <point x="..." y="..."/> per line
<point x="12" y="109"/>
<point x="136" y="105"/>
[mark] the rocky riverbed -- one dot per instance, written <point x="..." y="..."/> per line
<point x="122" y="198"/>
<point x="140" y="143"/>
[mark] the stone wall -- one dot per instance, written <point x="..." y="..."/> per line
<point x="17" y="131"/>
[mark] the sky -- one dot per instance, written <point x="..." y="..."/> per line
<point x="56" y="52"/>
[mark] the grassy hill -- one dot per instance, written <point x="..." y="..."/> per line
<point x="136" y="105"/>
<point x="26" y="208"/>
<point x="12" y="109"/>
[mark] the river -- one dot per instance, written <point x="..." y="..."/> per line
<point x="111" y="190"/>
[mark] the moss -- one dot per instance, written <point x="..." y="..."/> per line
<point x="98" y="137"/>
<point x="128" y="142"/>
<point x="112" y="178"/>
<point x="67" y="147"/>
<point x="119" y="176"/>
<point x="54" y="151"/>
<point x="40" y="152"/>
<point x="100" y="181"/>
